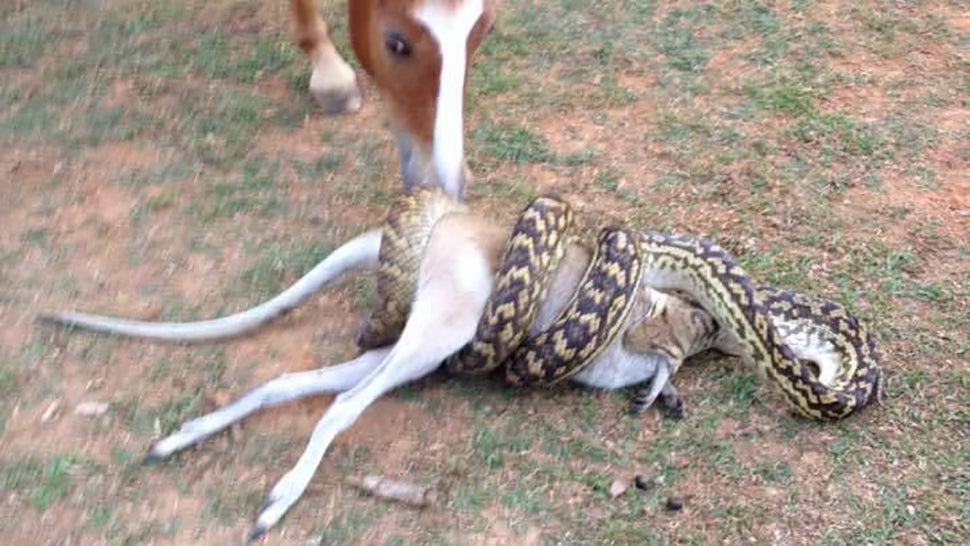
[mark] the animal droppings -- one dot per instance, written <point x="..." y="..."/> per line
<point x="675" y="504"/>
<point x="642" y="483"/>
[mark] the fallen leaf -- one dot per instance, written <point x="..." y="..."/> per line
<point x="50" y="411"/>
<point x="91" y="409"/>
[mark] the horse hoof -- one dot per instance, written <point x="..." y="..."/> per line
<point x="344" y="98"/>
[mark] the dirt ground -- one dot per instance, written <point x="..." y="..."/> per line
<point x="164" y="160"/>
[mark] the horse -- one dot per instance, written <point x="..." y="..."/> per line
<point x="417" y="52"/>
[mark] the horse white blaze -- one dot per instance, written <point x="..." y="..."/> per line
<point x="450" y="27"/>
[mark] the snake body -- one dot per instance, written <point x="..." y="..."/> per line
<point x="534" y="250"/>
<point x="593" y="317"/>
<point x="777" y="331"/>
<point x="405" y="234"/>
<point x="711" y="277"/>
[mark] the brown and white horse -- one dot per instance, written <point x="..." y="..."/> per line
<point x="417" y="52"/>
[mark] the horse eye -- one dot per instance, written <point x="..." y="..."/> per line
<point x="396" y="43"/>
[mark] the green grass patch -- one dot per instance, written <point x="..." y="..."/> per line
<point x="277" y="267"/>
<point x="509" y="143"/>
<point x="252" y="192"/>
<point x="24" y="41"/>
<point x="163" y="418"/>
<point x="44" y="482"/>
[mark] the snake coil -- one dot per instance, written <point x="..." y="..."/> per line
<point x="779" y="331"/>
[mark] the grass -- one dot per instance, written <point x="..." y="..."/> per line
<point x="278" y="268"/>
<point x="507" y="143"/>
<point x="42" y="482"/>
<point x="252" y="192"/>
<point x="166" y="161"/>
<point x="163" y="419"/>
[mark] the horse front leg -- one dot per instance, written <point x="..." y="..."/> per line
<point x="333" y="83"/>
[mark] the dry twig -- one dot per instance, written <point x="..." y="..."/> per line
<point x="379" y="486"/>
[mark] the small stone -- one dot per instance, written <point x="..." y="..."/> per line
<point x="91" y="409"/>
<point x="642" y="483"/>
<point x="51" y="411"/>
<point x="618" y="487"/>
<point x="674" y="504"/>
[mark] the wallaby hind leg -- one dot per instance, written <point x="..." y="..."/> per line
<point x="285" y="388"/>
<point x="453" y="285"/>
